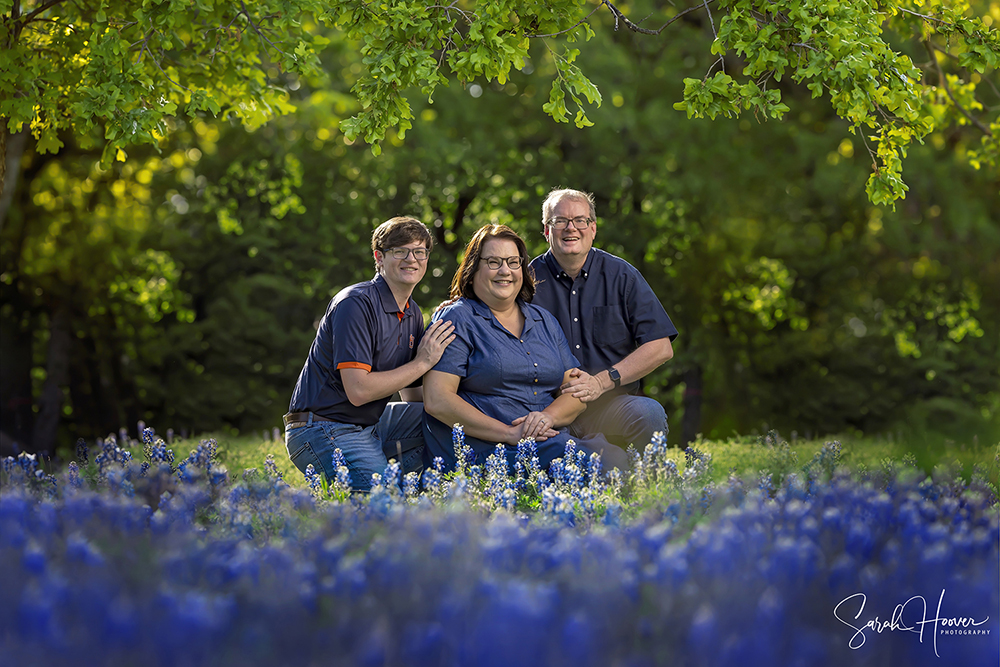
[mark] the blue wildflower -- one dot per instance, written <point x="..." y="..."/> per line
<point x="271" y="468"/>
<point x="82" y="451"/>
<point x="433" y="477"/>
<point x="498" y="481"/>
<point x="526" y="464"/>
<point x="314" y="480"/>
<point x="411" y="485"/>
<point x="465" y="456"/>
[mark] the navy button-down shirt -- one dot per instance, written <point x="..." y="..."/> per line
<point x="606" y="312"/>
<point x="362" y="328"/>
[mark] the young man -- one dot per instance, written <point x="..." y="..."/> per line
<point x="614" y="322"/>
<point x="370" y="344"/>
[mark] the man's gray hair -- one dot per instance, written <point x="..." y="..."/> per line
<point x="558" y="194"/>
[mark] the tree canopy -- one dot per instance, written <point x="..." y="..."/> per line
<point x="110" y="73"/>
<point x="180" y="286"/>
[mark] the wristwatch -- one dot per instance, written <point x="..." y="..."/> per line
<point x="615" y="376"/>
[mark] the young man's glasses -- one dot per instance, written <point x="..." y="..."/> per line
<point x="562" y="223"/>
<point x="419" y="254"/>
<point x="496" y="262"/>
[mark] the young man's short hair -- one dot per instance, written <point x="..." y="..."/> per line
<point x="399" y="231"/>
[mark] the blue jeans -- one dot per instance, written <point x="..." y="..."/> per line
<point x="623" y="419"/>
<point x="365" y="448"/>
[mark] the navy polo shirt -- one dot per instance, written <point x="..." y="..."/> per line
<point x="362" y="328"/>
<point x="606" y="312"/>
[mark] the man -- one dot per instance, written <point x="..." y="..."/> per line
<point x="370" y="344"/>
<point x="614" y="322"/>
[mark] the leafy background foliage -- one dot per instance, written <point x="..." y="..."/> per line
<point x="178" y="281"/>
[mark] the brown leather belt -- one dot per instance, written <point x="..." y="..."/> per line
<point x="300" y="419"/>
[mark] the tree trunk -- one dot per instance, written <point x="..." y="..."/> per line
<point x="57" y="375"/>
<point x="11" y="150"/>
<point x="95" y="397"/>
<point x="16" y="333"/>
<point x="691" y="422"/>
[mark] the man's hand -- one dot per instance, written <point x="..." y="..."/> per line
<point x="437" y="337"/>
<point x="584" y="386"/>
<point x="537" y="425"/>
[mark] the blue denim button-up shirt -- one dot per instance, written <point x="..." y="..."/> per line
<point x="502" y="375"/>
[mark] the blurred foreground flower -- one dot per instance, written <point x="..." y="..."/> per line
<point x="114" y="562"/>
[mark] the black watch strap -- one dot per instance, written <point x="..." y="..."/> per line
<point x="615" y="376"/>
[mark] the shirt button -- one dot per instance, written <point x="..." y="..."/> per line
<point x="535" y="393"/>
<point x="536" y="379"/>
<point x="578" y="347"/>
<point x="536" y="365"/>
<point x="576" y="319"/>
<point x="574" y="291"/>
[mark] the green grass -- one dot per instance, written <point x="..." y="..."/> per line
<point x="740" y="455"/>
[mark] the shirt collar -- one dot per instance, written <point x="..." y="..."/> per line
<point x="389" y="304"/>
<point x="483" y="311"/>
<point x="531" y="315"/>
<point x="480" y="309"/>
<point x="558" y="271"/>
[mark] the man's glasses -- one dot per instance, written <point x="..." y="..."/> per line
<point x="562" y="223"/>
<point x="419" y="254"/>
<point x="496" y="262"/>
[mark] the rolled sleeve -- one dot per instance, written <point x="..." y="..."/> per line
<point x="354" y="335"/>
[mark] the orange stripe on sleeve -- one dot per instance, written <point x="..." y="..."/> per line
<point x="354" y="364"/>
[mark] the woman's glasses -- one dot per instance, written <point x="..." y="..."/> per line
<point x="496" y="262"/>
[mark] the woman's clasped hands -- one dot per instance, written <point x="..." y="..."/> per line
<point x="537" y="425"/>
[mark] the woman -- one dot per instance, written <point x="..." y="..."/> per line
<point x="501" y="375"/>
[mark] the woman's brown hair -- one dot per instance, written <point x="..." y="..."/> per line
<point x="461" y="284"/>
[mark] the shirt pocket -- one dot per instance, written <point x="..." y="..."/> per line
<point x="608" y="326"/>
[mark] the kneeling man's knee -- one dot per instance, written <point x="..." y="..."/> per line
<point x="652" y="416"/>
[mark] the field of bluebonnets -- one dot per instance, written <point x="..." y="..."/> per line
<point x="169" y="561"/>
